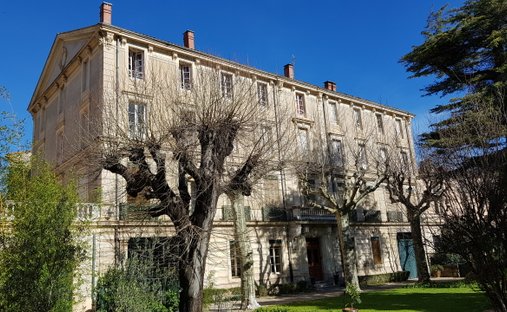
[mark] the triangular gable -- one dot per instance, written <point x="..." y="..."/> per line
<point x="65" y="47"/>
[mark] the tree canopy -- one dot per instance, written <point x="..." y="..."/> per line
<point x="465" y="49"/>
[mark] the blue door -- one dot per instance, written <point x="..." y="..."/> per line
<point x="407" y="256"/>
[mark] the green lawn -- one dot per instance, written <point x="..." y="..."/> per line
<point x="402" y="300"/>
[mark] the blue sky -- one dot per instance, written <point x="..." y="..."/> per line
<point x="356" y="44"/>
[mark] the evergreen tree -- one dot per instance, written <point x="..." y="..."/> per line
<point x="466" y="50"/>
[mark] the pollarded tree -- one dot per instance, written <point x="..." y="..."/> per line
<point x="341" y="179"/>
<point x="416" y="189"/>
<point x="465" y="49"/>
<point x="180" y="133"/>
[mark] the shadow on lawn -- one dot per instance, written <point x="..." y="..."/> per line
<point x="441" y="300"/>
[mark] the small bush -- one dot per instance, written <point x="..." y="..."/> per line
<point x="380" y="279"/>
<point x="262" y="290"/>
<point x="272" y="309"/>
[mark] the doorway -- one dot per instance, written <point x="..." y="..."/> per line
<point x="407" y="254"/>
<point x="314" y="259"/>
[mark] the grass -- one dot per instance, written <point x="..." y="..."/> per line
<point x="463" y="299"/>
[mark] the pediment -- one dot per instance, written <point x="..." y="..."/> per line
<point x="64" y="49"/>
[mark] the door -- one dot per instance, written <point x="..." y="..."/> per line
<point x="407" y="254"/>
<point x="314" y="259"/>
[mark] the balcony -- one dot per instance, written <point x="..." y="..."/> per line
<point x="394" y="216"/>
<point x="360" y="215"/>
<point x="227" y="213"/>
<point x="133" y="212"/>
<point x="312" y="214"/>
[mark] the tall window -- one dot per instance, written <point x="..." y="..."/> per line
<point x="358" y="120"/>
<point x="186" y="76"/>
<point x="226" y="85"/>
<point x="62" y="99"/>
<point x="333" y="113"/>
<point x="275" y="255"/>
<point x="300" y="104"/>
<point x="59" y="146"/>
<point x="399" y="129"/>
<point x="262" y="93"/>
<point x="336" y="153"/>
<point x="266" y="135"/>
<point x="383" y="155"/>
<point x="235" y="264"/>
<point x="375" y="250"/>
<point x="85" y="81"/>
<point x="380" y="123"/>
<point x="404" y="159"/>
<point x="84" y="127"/>
<point x="303" y="142"/>
<point x="136" y="64"/>
<point x="362" y="160"/>
<point x="137" y="120"/>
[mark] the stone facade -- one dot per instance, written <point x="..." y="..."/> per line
<point x="92" y="70"/>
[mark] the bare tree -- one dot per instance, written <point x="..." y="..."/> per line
<point x="475" y="202"/>
<point x="175" y="132"/>
<point x="342" y="178"/>
<point x="416" y="190"/>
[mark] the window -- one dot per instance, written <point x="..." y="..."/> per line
<point x="85" y="81"/>
<point x="300" y="104"/>
<point x="404" y="159"/>
<point x="375" y="250"/>
<point x="136" y="64"/>
<point x="336" y="153"/>
<point x="383" y="155"/>
<point x="61" y="99"/>
<point x="266" y="136"/>
<point x="275" y="255"/>
<point x="399" y="129"/>
<point x="235" y="261"/>
<point x="59" y="146"/>
<point x="358" y="119"/>
<point x="380" y="123"/>
<point x="137" y="120"/>
<point x="186" y="76"/>
<point x="333" y="113"/>
<point x="226" y="84"/>
<point x="303" y="142"/>
<point x="362" y="159"/>
<point x="84" y="127"/>
<point x="262" y="93"/>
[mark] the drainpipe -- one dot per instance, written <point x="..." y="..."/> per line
<point x="282" y="179"/>
<point x="116" y="191"/>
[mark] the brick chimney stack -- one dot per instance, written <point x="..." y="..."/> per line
<point x="288" y="71"/>
<point x="106" y="9"/>
<point x="329" y="85"/>
<point x="188" y="39"/>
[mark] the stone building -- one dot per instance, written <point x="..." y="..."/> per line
<point x="86" y="73"/>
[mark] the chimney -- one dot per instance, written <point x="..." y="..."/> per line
<point x="188" y="39"/>
<point x="105" y="13"/>
<point x="288" y="71"/>
<point x="329" y="85"/>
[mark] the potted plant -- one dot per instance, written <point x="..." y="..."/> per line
<point x="354" y="297"/>
<point x="436" y="270"/>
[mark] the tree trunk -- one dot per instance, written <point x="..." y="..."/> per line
<point x="420" y="255"/>
<point x="248" y="300"/>
<point x="347" y="250"/>
<point x="194" y="237"/>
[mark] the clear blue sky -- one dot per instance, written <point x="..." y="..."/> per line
<point x="357" y="44"/>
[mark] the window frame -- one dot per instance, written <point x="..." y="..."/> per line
<point x="358" y="118"/>
<point x="186" y="82"/>
<point x="306" y="147"/>
<point x="336" y="154"/>
<point x="300" y="104"/>
<point x="275" y="256"/>
<point x="262" y="94"/>
<point x="60" y="146"/>
<point x="399" y="128"/>
<point x="380" y="123"/>
<point x="136" y="71"/>
<point x="333" y="112"/>
<point x="227" y="85"/>
<point x="136" y="128"/>
<point x="234" y="258"/>
<point x="362" y="156"/>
